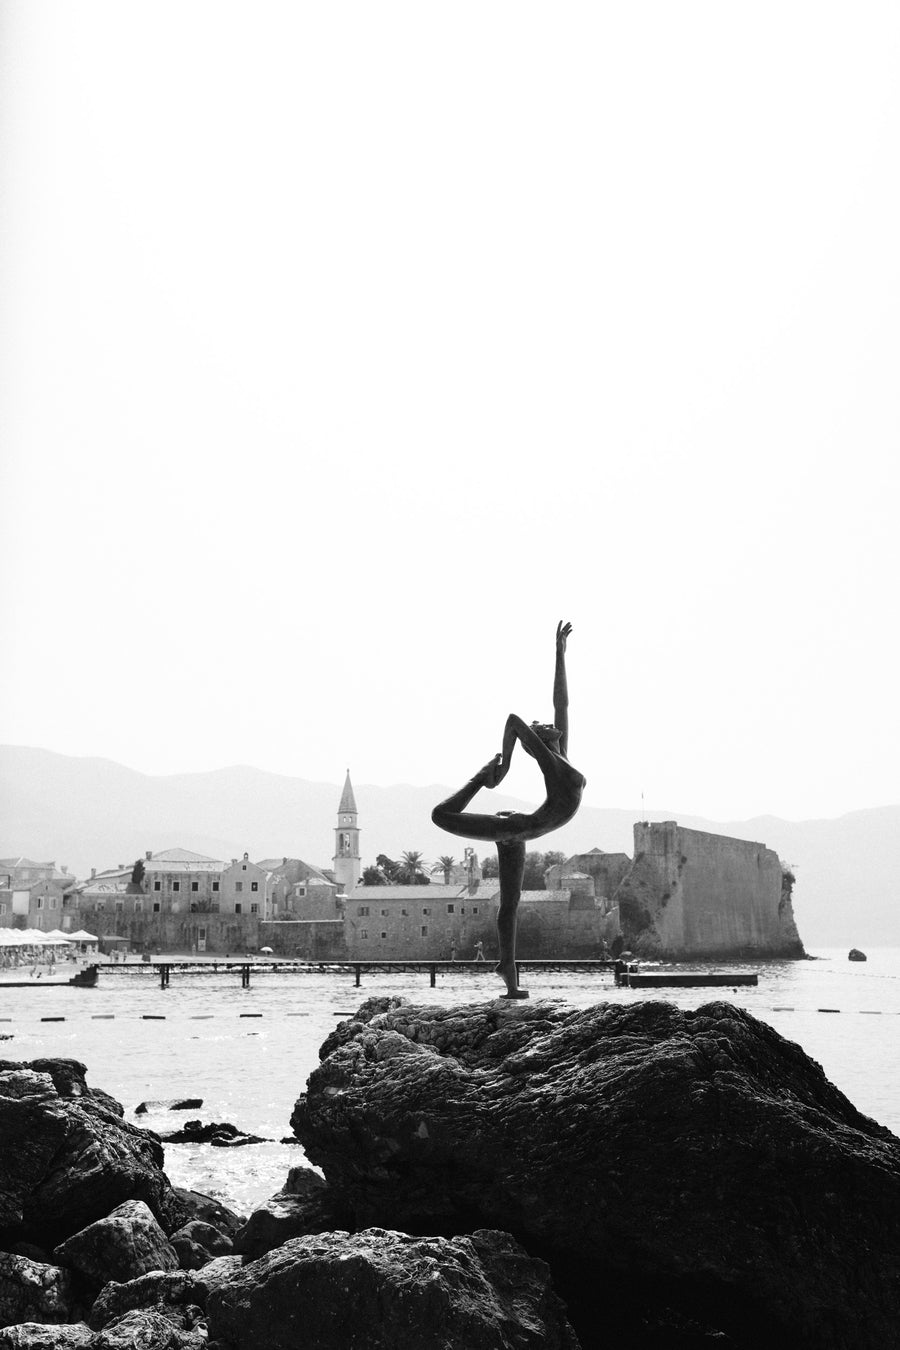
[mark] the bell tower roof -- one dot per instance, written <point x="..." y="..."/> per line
<point x="348" y="801"/>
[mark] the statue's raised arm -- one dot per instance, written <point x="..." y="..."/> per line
<point x="561" y="688"/>
<point x="547" y="743"/>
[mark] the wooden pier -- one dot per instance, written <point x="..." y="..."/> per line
<point x="354" y="968"/>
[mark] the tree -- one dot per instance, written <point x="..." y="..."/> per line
<point x="411" y="865"/>
<point x="391" y="870"/>
<point x="490" y="867"/>
<point x="137" y="872"/>
<point x="372" y="876"/>
<point x="445" y="862"/>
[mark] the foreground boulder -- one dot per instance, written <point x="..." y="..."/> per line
<point x="67" y="1156"/>
<point x="389" y="1291"/>
<point x="127" y="1243"/>
<point x="692" y="1160"/>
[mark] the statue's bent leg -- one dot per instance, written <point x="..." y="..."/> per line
<point x="511" y="855"/>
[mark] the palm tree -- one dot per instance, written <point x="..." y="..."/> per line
<point x="411" y="862"/>
<point x="445" y="862"/>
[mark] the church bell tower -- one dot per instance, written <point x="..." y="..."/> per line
<point x="346" y="841"/>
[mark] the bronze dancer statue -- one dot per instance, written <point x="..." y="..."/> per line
<point x="510" y="830"/>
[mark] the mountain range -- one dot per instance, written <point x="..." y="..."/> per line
<point x="93" y="813"/>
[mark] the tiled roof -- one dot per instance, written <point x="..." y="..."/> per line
<point x="182" y="860"/>
<point x="182" y="855"/>
<point x="373" y="894"/>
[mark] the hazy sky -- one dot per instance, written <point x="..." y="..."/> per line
<point x="346" y="347"/>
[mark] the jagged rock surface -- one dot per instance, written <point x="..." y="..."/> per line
<point x="389" y="1291"/>
<point x="67" y="1156"/>
<point x="197" y="1243"/>
<point x="695" y="1158"/>
<point x="170" y="1293"/>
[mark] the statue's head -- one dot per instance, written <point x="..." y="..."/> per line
<point x="548" y="733"/>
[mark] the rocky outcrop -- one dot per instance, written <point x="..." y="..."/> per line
<point x="43" y="1336"/>
<point x="390" y="1291"/>
<point x="67" y="1156"/>
<point x="856" y="955"/>
<point x="220" y="1134"/>
<point x="170" y="1104"/>
<point x="692" y="1161"/>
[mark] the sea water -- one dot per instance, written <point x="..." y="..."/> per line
<point x="247" y="1052"/>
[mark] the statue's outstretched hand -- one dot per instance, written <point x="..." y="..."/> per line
<point x="562" y="632"/>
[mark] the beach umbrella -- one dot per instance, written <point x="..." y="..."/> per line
<point x="266" y="949"/>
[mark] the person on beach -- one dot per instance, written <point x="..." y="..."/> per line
<point x="479" y="951"/>
<point x="547" y="743"/>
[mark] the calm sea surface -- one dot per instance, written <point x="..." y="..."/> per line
<point x="248" y="1052"/>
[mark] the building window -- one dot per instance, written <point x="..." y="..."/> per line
<point x="53" y="902"/>
<point x="450" y="909"/>
<point x="474" y="909"/>
<point x="201" y="934"/>
<point x="383" y="934"/>
<point x="364" y="932"/>
<point x="156" y="907"/>
<point x="237" y="908"/>
<point x="157" y="885"/>
<point x="138" y="906"/>
<point x="176" y="885"/>
<point x="425" y="909"/>
<point x="215" y="885"/>
<point x="195" y="885"/>
<point x="424" y="930"/>
<point x="243" y="867"/>
<point x="254" y="885"/>
<point x="384" y="913"/>
<point x="363" y="911"/>
<point x="404" y="912"/>
<point x="2" y="906"/>
<point x="254" y="909"/>
<point x="238" y="885"/>
<point x="301" y="890"/>
<point x="40" y="903"/>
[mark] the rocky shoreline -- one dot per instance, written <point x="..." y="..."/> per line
<point x="495" y="1176"/>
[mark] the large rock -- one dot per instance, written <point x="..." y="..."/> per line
<point x="696" y="1160"/>
<point x="127" y="1243"/>
<point x="389" y="1291"/>
<point x="32" y="1291"/>
<point x="301" y="1207"/>
<point x="67" y="1156"/>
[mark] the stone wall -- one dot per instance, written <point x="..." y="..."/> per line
<point x="690" y="894"/>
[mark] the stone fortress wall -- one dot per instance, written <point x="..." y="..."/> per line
<point x="691" y="894"/>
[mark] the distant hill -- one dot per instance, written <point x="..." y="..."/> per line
<point x="88" y="813"/>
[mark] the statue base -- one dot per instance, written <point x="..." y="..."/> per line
<point x="520" y="993"/>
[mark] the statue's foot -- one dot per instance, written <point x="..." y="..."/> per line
<point x="516" y="993"/>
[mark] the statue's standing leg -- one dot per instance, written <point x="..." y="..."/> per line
<point x="511" y="855"/>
